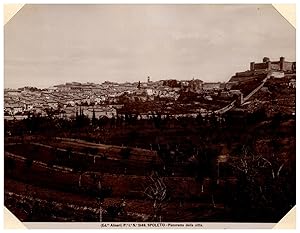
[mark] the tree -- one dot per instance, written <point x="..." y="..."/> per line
<point x="116" y="210"/>
<point x="265" y="187"/>
<point x="94" y="120"/>
<point x="100" y="199"/>
<point x="199" y="119"/>
<point x="157" y="119"/>
<point x="157" y="192"/>
<point x="69" y="153"/>
<point x="99" y="191"/>
<point x="276" y="120"/>
<point x="203" y="163"/>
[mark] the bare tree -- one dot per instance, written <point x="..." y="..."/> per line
<point x="250" y="164"/>
<point x="156" y="191"/>
<point x="99" y="190"/>
<point x="263" y="181"/>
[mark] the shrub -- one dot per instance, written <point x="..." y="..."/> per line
<point x="10" y="164"/>
<point x="125" y="152"/>
<point x="28" y="163"/>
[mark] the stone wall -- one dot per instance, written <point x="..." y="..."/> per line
<point x="260" y="66"/>
<point x="288" y="66"/>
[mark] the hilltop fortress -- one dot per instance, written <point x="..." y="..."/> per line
<point x="280" y="68"/>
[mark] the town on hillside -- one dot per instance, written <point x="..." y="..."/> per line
<point x="174" y="98"/>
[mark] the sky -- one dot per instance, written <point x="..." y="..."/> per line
<point x="45" y="45"/>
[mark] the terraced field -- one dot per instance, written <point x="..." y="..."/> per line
<point x="45" y="177"/>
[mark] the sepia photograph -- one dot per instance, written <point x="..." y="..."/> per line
<point x="149" y="113"/>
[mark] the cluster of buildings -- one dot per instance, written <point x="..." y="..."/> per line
<point x="105" y="99"/>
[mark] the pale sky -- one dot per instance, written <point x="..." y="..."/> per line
<point x="54" y="44"/>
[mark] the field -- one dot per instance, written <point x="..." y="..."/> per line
<point x="202" y="178"/>
<point x="37" y="173"/>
